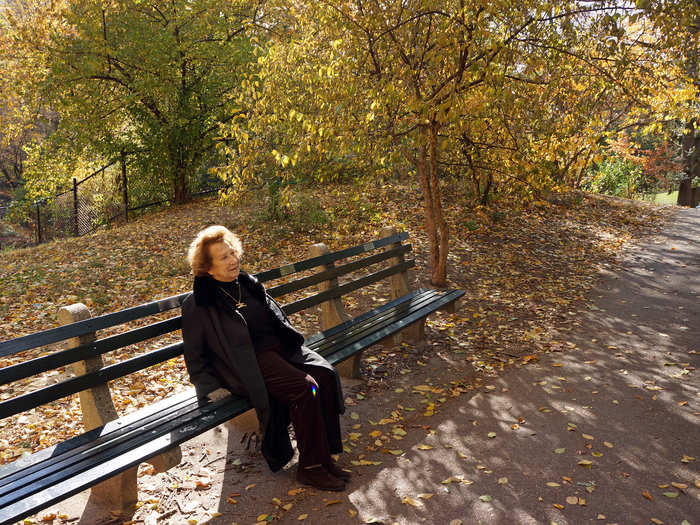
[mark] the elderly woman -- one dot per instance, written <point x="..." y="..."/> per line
<point x="237" y="339"/>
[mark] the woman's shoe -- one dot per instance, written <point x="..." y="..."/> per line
<point x="319" y="478"/>
<point x="333" y="469"/>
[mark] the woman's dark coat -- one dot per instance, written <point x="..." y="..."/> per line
<point x="219" y="354"/>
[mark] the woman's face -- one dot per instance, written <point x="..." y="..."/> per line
<point x="225" y="264"/>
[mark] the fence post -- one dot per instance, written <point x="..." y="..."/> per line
<point x="38" y="221"/>
<point x="76" y="232"/>
<point x="124" y="189"/>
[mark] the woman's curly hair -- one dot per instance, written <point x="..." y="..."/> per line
<point x="198" y="254"/>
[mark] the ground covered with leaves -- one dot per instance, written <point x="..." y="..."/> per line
<point x="525" y="272"/>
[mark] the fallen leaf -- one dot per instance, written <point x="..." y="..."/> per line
<point x="352" y="513"/>
<point x="671" y="494"/>
<point x="587" y="436"/>
<point x="49" y="517"/>
<point x="559" y="450"/>
<point x="354" y="415"/>
<point x="302" y="517"/>
<point x="250" y="487"/>
<point x="679" y="485"/>
<point x="424" y="447"/>
<point x="491" y="435"/>
<point x="262" y="517"/>
<point x="215" y="514"/>
<point x="553" y="484"/>
<point x="502" y="481"/>
<point x="687" y="459"/>
<point x="608" y="444"/>
<point x="409" y="501"/>
<point x="647" y="495"/>
<point x="485" y="497"/>
<point x="558" y="506"/>
<point x="456" y="522"/>
<point x="425" y="495"/>
<point x="572" y="500"/>
<point x="657" y="521"/>
<point x="231" y="501"/>
<point x="288" y="506"/>
<point x="396" y="452"/>
<point x="585" y="463"/>
<point x="332" y="502"/>
<point x="294" y="492"/>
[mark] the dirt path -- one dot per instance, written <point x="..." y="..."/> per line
<point x="605" y="431"/>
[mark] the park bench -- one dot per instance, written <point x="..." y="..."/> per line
<point x="106" y="456"/>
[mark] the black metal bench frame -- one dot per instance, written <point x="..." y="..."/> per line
<point x="33" y="483"/>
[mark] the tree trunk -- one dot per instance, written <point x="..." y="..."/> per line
<point x="439" y="275"/>
<point x="691" y="163"/>
<point x="430" y="226"/>
<point x="182" y="195"/>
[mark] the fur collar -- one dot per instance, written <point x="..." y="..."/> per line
<point x="204" y="288"/>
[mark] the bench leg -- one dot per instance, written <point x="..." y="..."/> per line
<point x="246" y="422"/>
<point x="167" y="459"/>
<point x="117" y="493"/>
<point x="413" y="333"/>
<point x="450" y="308"/>
<point x="350" y="367"/>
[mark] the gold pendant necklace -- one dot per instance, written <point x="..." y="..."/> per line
<point x="238" y="302"/>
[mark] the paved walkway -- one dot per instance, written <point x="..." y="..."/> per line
<point x="606" y="433"/>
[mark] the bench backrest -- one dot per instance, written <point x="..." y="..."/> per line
<point x="393" y="251"/>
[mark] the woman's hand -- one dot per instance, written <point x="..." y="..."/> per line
<point x="218" y="394"/>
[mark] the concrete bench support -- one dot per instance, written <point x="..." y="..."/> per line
<point x="97" y="409"/>
<point x="333" y="313"/>
<point x="400" y="286"/>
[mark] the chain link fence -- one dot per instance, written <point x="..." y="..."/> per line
<point x="103" y="197"/>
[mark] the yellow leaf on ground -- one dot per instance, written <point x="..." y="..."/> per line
<point x="49" y="517"/>
<point x="302" y="517"/>
<point x="215" y="514"/>
<point x="553" y="484"/>
<point x="679" y="485"/>
<point x="608" y="444"/>
<point x="587" y="436"/>
<point x="425" y="495"/>
<point x="262" y="517"/>
<point x="288" y="506"/>
<point x="332" y="502"/>
<point x="657" y="521"/>
<point x="396" y="452"/>
<point x="558" y="506"/>
<point x="409" y="501"/>
<point x="294" y="492"/>
<point x="572" y="500"/>
<point x="250" y="486"/>
<point x="456" y="522"/>
<point x="424" y="447"/>
<point x="502" y="481"/>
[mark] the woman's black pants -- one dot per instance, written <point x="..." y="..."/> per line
<point x="313" y="411"/>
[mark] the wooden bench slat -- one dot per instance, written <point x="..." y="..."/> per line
<point x="61" y="333"/>
<point x="303" y="304"/>
<point x="305" y="282"/>
<point x="373" y="338"/>
<point x="28" y="401"/>
<point x="50" y="453"/>
<point x="360" y="329"/>
<point x="78" y="454"/>
<point x="108" y="344"/>
<point x="119" y="459"/>
<point x="307" y="264"/>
